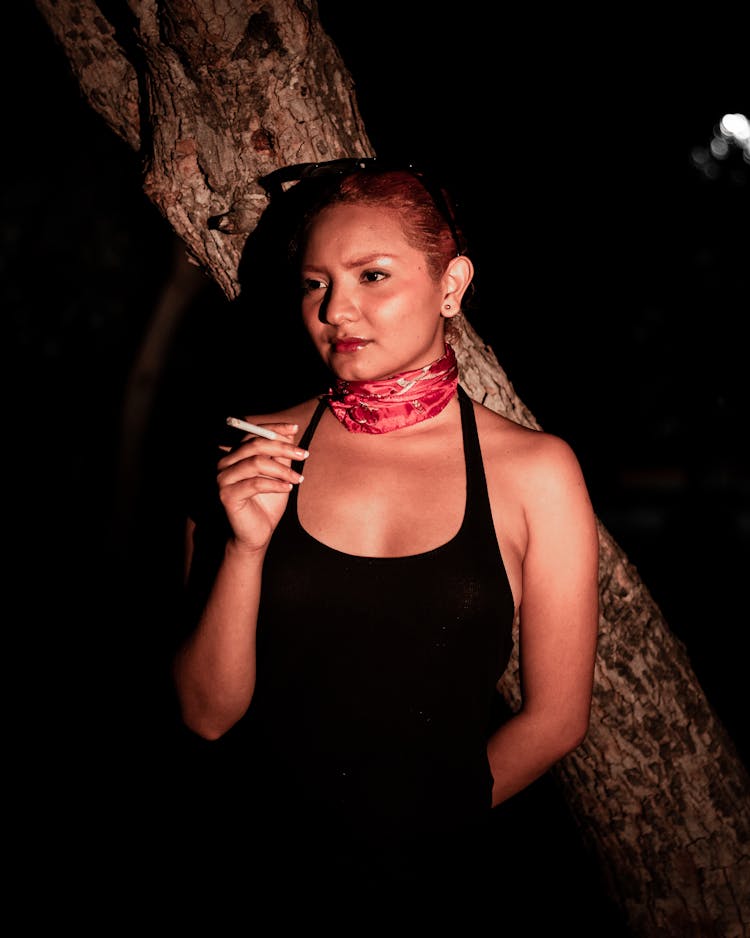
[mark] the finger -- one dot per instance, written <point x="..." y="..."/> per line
<point x="257" y="446"/>
<point x="258" y="467"/>
<point x="245" y="490"/>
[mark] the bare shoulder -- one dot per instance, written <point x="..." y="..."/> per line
<point x="524" y="455"/>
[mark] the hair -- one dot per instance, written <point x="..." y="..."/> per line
<point x="401" y="191"/>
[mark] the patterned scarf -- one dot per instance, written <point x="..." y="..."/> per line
<point x="405" y="399"/>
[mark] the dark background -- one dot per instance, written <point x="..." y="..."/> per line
<point x="612" y="287"/>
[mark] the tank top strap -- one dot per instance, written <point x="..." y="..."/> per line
<point x="304" y="443"/>
<point x="310" y="429"/>
<point x="477" y="498"/>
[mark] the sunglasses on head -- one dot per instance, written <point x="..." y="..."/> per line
<point x="274" y="183"/>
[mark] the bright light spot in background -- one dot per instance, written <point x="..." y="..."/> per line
<point x="736" y="126"/>
<point x="733" y="132"/>
<point x="736" y="129"/>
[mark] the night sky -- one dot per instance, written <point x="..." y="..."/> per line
<point x="612" y="287"/>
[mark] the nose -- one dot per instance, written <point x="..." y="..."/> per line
<point x="338" y="306"/>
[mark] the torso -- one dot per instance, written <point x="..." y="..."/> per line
<point x="384" y="628"/>
<point x="382" y="633"/>
<point x="368" y="494"/>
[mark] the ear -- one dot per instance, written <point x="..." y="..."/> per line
<point x="455" y="281"/>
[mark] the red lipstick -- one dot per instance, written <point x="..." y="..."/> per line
<point x="347" y="344"/>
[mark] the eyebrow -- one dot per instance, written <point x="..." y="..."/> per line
<point x="359" y="261"/>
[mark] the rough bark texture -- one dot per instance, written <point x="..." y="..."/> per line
<point x="216" y="93"/>
<point x="213" y="94"/>
<point x="657" y="787"/>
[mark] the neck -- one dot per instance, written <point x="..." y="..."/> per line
<point x="400" y="401"/>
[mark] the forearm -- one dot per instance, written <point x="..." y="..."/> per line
<point x="214" y="671"/>
<point x="525" y="747"/>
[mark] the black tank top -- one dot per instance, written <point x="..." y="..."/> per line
<point x="376" y="677"/>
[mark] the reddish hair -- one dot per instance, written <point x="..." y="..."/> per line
<point x="400" y="191"/>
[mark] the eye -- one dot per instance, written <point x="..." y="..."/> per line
<point x="374" y="276"/>
<point x="311" y="284"/>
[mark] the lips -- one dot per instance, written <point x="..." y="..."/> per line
<point x="347" y="344"/>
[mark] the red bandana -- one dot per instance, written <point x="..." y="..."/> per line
<point x="405" y="399"/>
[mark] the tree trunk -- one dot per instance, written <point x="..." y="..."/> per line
<point x="214" y="95"/>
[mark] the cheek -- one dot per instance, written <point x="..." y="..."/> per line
<point x="309" y="315"/>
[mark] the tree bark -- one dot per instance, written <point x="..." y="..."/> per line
<point x="657" y="788"/>
<point x="214" y="94"/>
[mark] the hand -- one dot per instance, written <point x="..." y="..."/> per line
<point x="254" y="480"/>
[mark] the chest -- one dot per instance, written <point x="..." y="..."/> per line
<point x="383" y="498"/>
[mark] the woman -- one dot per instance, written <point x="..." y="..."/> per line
<point x="354" y="596"/>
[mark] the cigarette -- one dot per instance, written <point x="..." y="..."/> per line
<point x="252" y="428"/>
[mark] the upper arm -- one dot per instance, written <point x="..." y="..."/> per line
<point x="560" y="604"/>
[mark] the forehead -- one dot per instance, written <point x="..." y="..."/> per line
<point x="364" y="222"/>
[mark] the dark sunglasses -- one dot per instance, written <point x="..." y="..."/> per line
<point x="274" y="183"/>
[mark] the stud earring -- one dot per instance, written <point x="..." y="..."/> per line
<point x="447" y="306"/>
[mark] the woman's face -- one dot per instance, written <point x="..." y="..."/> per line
<point x="369" y="302"/>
